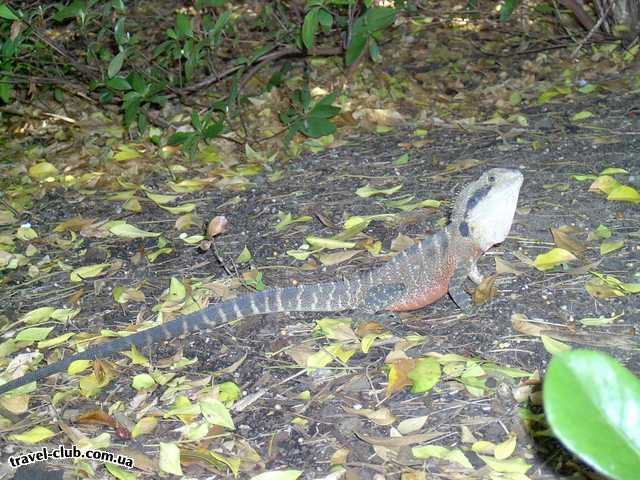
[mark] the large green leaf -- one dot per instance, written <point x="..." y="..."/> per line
<point x="309" y="28"/>
<point x="592" y="404"/>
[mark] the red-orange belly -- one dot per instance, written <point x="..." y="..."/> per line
<point x="421" y="299"/>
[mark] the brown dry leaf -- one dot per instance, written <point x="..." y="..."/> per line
<point x="339" y="457"/>
<point x="328" y="259"/>
<point x="386" y="454"/>
<point x="397" y="442"/>
<point x="504" y="267"/>
<point x="413" y="476"/>
<point x="604" y="184"/>
<point x="524" y="259"/>
<point x="564" y="240"/>
<point x="369" y="327"/>
<point x="183" y="222"/>
<point x="598" y="289"/>
<point x="583" y="270"/>
<point x="382" y="416"/>
<point x="75" y="224"/>
<point x="16" y="404"/>
<point x="399" y="375"/>
<point x="300" y="354"/>
<point x="520" y="324"/>
<point x="140" y="460"/>
<point x="461" y="165"/>
<point x="379" y="116"/>
<point x="411" y="425"/>
<point x="103" y="371"/>
<point x="95" y="230"/>
<point x="96" y="417"/>
<point x="486" y="290"/>
<point x="235" y="365"/>
<point x="217" y="225"/>
<point x="74" y="434"/>
<point x="344" y="119"/>
<point x="401" y="242"/>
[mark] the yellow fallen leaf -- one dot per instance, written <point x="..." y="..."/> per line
<point x="35" y="435"/>
<point x="42" y="170"/>
<point x="553" y="258"/>
<point x="624" y="193"/>
<point x="604" y="184"/>
<point x="88" y="271"/>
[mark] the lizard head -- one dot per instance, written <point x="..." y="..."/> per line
<point x="485" y="208"/>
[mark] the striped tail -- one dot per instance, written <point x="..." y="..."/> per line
<point x="319" y="297"/>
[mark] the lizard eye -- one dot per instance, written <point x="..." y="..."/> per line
<point x="492" y="179"/>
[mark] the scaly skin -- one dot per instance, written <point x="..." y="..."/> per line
<point x="414" y="278"/>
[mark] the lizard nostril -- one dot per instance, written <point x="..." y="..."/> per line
<point x="492" y="179"/>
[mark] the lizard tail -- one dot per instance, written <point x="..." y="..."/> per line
<point x="319" y="297"/>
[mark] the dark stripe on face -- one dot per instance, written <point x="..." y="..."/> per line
<point x="464" y="229"/>
<point x="476" y="197"/>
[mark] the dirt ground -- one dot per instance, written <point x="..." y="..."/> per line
<point x="253" y="354"/>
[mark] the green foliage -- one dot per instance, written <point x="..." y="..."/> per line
<point x="309" y="118"/>
<point x="592" y="404"/>
<point x="205" y="128"/>
<point x="507" y="9"/>
<point x="113" y="54"/>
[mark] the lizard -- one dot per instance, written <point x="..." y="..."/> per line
<point x="417" y="276"/>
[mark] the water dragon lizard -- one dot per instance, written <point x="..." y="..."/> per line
<point x="414" y="278"/>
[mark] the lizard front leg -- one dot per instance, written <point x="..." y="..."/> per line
<point x="458" y="294"/>
<point x="474" y="274"/>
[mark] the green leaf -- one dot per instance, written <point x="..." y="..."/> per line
<point x="143" y="381"/>
<point x="454" y="455"/>
<point x="169" y="458"/>
<point x="330" y="243"/>
<point x="583" y="115"/>
<point x="212" y="131"/>
<point x="369" y="191"/>
<point x="5" y="90"/>
<point x="325" y="18"/>
<point x="35" y="435"/>
<point x="33" y="334"/>
<point x="315" y="127"/>
<point x="120" y="473"/>
<point x="424" y="375"/>
<point x="624" y="193"/>
<point x="286" y="219"/>
<point x="5" y="12"/>
<point x="553" y="258"/>
<point x="74" y="9"/>
<point x="118" y="83"/>
<point x="379" y="18"/>
<point x="611" y="246"/>
<point x="309" y="28"/>
<point x="88" y="271"/>
<point x="507" y="9"/>
<point x="355" y="49"/>
<point x="179" y="138"/>
<point x="592" y="404"/>
<point x="119" y="33"/>
<point x="42" y="170"/>
<point x="324" y="111"/>
<point x="245" y="256"/>
<point x="216" y="413"/>
<point x="120" y="228"/>
<point x="116" y="64"/>
<point x="183" y="26"/>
